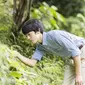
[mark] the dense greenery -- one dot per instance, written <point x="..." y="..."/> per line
<point x="67" y="7"/>
<point x="13" y="72"/>
<point x="50" y="70"/>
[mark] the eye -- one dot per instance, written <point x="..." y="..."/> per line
<point x="27" y="35"/>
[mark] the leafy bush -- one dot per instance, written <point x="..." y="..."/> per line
<point x="13" y="72"/>
<point x="5" y="14"/>
<point x="76" y="25"/>
<point x="67" y="7"/>
<point x="49" y="16"/>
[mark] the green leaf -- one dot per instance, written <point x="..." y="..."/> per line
<point x="15" y="74"/>
<point x="13" y="63"/>
<point x="54" y="7"/>
<point x="53" y="22"/>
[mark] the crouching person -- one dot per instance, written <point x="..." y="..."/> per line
<point x="60" y="43"/>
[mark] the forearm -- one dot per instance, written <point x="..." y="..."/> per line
<point x="27" y="61"/>
<point x="77" y="63"/>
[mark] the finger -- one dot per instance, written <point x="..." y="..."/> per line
<point x="76" y="83"/>
<point x="79" y="83"/>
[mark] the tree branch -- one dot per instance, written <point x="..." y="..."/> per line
<point x="29" y="3"/>
<point x="14" y="10"/>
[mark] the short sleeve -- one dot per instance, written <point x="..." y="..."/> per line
<point x="37" y="54"/>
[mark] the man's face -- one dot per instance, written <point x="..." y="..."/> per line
<point x="34" y="37"/>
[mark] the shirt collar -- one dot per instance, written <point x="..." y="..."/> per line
<point x="44" y="42"/>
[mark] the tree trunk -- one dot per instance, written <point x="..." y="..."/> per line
<point x="20" y="8"/>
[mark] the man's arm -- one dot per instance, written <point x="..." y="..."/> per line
<point x="31" y="62"/>
<point x="77" y="63"/>
<point x="27" y="61"/>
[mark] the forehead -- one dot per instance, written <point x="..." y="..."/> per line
<point x="31" y="32"/>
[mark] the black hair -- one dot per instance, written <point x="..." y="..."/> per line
<point x="32" y="25"/>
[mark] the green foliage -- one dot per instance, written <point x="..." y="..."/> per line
<point x="67" y="7"/>
<point x="76" y="25"/>
<point x="5" y="14"/>
<point x="14" y="72"/>
<point x="49" y="16"/>
<point x="23" y="45"/>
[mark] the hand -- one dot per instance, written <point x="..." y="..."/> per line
<point x="79" y="80"/>
<point x="16" y="54"/>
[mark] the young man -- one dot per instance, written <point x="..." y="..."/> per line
<point x="60" y="43"/>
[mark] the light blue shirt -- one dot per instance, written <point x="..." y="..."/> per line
<point x="60" y="43"/>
